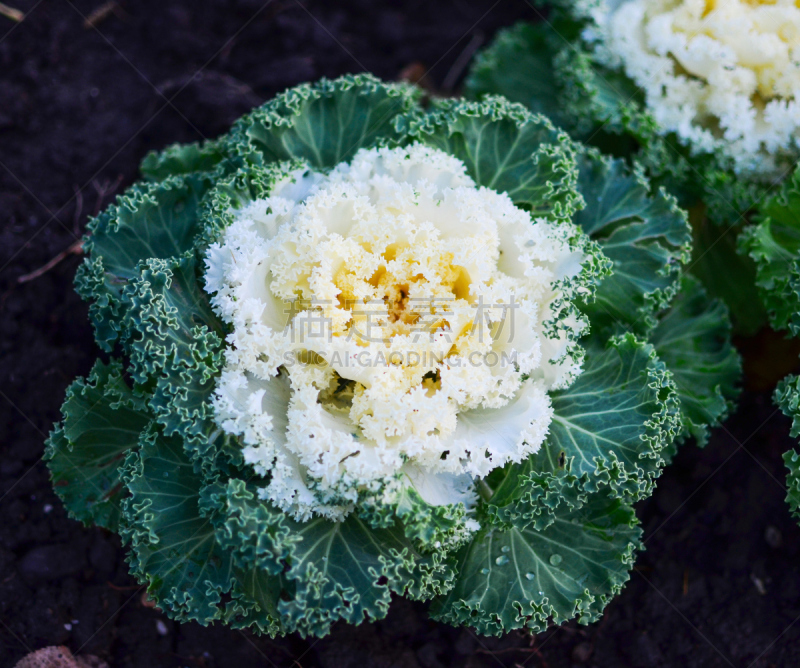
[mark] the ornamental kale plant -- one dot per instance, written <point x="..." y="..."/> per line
<point x="358" y="347"/>
<point x="702" y="94"/>
<point x="774" y="244"/>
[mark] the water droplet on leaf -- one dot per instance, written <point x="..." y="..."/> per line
<point x="555" y="559"/>
<point x="530" y="576"/>
<point x="505" y="548"/>
<point x="502" y="560"/>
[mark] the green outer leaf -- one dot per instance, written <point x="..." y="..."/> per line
<point x="253" y="603"/>
<point x="165" y="306"/>
<point x="172" y="525"/>
<point x="430" y="528"/>
<point x="626" y="382"/>
<point x="506" y="148"/>
<point x="526" y="497"/>
<point x="645" y="235"/>
<point x="348" y="570"/>
<point x="495" y="593"/>
<point x="257" y="534"/>
<point x="174" y="344"/>
<point x="320" y="571"/>
<point x="180" y="159"/>
<point x="609" y="429"/>
<point x="726" y="273"/>
<point x="546" y="67"/>
<point x="599" y="95"/>
<point x="519" y="66"/>
<point x="787" y="397"/>
<point x="792" y="461"/>
<point x="85" y="454"/>
<point x="774" y="245"/>
<point x="323" y="123"/>
<point x="260" y="542"/>
<point x="693" y="339"/>
<point x="156" y="220"/>
<point x="173" y="546"/>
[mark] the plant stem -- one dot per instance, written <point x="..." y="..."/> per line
<point x="484" y="490"/>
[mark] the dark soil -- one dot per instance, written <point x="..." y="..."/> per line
<point x="718" y="584"/>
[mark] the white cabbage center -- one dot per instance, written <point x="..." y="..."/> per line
<point x="388" y="328"/>
<point x="722" y="74"/>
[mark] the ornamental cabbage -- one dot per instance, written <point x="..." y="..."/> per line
<point x="359" y="348"/>
<point x="704" y="88"/>
<point x="700" y="94"/>
<point x="721" y="74"/>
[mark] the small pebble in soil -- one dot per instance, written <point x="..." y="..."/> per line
<point x="773" y="537"/>
<point x="68" y="627"/>
<point x="582" y="653"/>
<point x="161" y="627"/>
<point x="759" y="584"/>
<point x="47" y="508"/>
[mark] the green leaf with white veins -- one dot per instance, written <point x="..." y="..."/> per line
<point x="174" y="340"/>
<point x="324" y="123"/>
<point x="519" y="66"/>
<point x="513" y="579"/>
<point x="173" y="546"/>
<point x="644" y="234"/>
<point x="774" y="245"/>
<point x="693" y="338"/>
<point x="183" y="159"/>
<point x="609" y="430"/>
<point x="615" y="419"/>
<point x="150" y="221"/>
<point x="102" y="422"/>
<point x="349" y="570"/>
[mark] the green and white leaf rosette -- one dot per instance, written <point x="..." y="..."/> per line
<point x="701" y="94"/>
<point x="303" y="413"/>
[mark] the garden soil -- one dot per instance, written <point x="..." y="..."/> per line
<point x="87" y="88"/>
